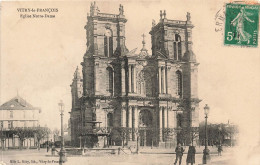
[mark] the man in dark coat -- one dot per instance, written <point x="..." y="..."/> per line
<point x="191" y="155"/>
<point x="179" y="153"/>
<point x="219" y="150"/>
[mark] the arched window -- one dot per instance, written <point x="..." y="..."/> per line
<point x="110" y="80"/>
<point x="145" y="118"/>
<point x="141" y="82"/>
<point x="179" y="83"/>
<point x="177" y="47"/>
<point x="108" y="43"/>
<point x="109" y="120"/>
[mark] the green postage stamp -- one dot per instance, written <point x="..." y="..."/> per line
<point x="241" y="27"/>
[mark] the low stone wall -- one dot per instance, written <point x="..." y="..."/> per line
<point x="90" y="151"/>
<point x="99" y="151"/>
<point x="74" y="151"/>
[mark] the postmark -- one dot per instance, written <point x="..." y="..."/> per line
<point x="241" y="25"/>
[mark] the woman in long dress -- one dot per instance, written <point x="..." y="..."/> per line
<point x="191" y="155"/>
<point x="238" y="23"/>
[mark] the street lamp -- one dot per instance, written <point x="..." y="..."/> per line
<point x="206" y="155"/>
<point x="62" y="150"/>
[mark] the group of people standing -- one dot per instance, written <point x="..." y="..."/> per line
<point x="191" y="154"/>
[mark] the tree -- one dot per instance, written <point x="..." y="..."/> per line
<point x="217" y="133"/>
<point x="194" y="131"/>
<point x="119" y="134"/>
<point x="22" y="134"/>
<point x="3" y="136"/>
<point x="56" y="133"/>
<point x="40" y="133"/>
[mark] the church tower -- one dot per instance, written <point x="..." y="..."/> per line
<point x="176" y="69"/>
<point x="76" y="89"/>
<point x="75" y="114"/>
<point x="105" y="42"/>
<point x="101" y="68"/>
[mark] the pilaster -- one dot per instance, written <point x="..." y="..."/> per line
<point x="159" y="79"/>
<point x="130" y="121"/>
<point x="161" y="124"/>
<point x="123" y="117"/>
<point x="129" y="79"/>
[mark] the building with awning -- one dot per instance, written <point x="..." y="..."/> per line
<point x="18" y="113"/>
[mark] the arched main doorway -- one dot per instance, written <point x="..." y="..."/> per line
<point x="146" y="127"/>
<point x="180" y="135"/>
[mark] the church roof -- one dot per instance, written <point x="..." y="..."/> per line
<point x="17" y="103"/>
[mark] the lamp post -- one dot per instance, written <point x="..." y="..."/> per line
<point x="206" y="155"/>
<point x="62" y="150"/>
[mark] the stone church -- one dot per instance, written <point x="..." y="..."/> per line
<point x="128" y="97"/>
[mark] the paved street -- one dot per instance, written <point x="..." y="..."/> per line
<point x="40" y="157"/>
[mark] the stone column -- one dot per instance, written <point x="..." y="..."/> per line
<point x="113" y="84"/>
<point x="177" y="50"/>
<point x="159" y="79"/>
<point x="165" y="118"/>
<point x="129" y="79"/>
<point x="123" y="79"/>
<point x="160" y="123"/>
<point x="165" y="123"/>
<point x="136" y="119"/>
<point x="123" y="117"/>
<point x="164" y="80"/>
<point x="134" y="78"/>
<point x="130" y="121"/>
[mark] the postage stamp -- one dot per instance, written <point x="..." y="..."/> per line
<point x="241" y="27"/>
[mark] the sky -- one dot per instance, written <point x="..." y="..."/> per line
<point x="39" y="56"/>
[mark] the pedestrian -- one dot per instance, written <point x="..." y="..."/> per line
<point x="53" y="150"/>
<point x="219" y="150"/>
<point x="179" y="153"/>
<point x="191" y="155"/>
<point x="48" y="147"/>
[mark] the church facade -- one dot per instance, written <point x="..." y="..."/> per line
<point x="132" y="97"/>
